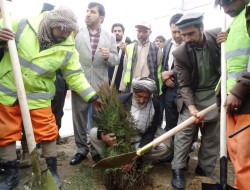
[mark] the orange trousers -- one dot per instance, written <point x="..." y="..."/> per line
<point x="239" y="149"/>
<point x="43" y="123"/>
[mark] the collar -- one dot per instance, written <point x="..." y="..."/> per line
<point x="144" y="45"/>
<point x="94" y="31"/>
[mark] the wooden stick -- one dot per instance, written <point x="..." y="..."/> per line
<point x="173" y="131"/>
<point x="19" y="81"/>
<point x="116" y="67"/>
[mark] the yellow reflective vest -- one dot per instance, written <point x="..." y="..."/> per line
<point x="237" y="49"/>
<point x="155" y="76"/>
<point x="39" y="67"/>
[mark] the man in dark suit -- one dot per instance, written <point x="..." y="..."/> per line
<point x="197" y="62"/>
<point x="169" y="75"/>
<point x="118" y="30"/>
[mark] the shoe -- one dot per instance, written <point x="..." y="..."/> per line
<point x="96" y="158"/>
<point x="77" y="159"/>
<point x="178" y="179"/>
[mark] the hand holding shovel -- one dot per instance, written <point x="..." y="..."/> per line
<point x="124" y="159"/>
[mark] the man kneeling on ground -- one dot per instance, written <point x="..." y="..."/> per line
<point x="146" y="112"/>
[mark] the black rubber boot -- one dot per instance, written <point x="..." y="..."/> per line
<point x="178" y="179"/>
<point x="9" y="175"/>
<point x="52" y="166"/>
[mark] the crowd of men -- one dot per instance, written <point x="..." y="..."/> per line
<point x="177" y="78"/>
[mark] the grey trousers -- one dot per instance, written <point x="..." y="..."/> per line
<point x="159" y="153"/>
<point x="80" y="120"/>
<point x="210" y="144"/>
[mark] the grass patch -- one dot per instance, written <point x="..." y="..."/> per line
<point x="81" y="179"/>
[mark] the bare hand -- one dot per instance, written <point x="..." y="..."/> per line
<point x="105" y="53"/>
<point x="6" y="34"/>
<point x="109" y="138"/>
<point x="222" y="37"/>
<point x="166" y="75"/>
<point x="194" y="112"/>
<point x="232" y="102"/>
<point x="97" y="104"/>
<point x="123" y="46"/>
<point x="170" y="82"/>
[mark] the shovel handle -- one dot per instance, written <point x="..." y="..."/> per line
<point x="240" y="130"/>
<point x="18" y="80"/>
<point x="116" y="69"/>
<point x="173" y="131"/>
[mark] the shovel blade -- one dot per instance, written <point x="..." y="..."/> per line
<point x="40" y="180"/>
<point x="207" y="186"/>
<point x="116" y="161"/>
<point x="48" y="181"/>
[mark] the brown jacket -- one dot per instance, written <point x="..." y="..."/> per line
<point x="186" y="67"/>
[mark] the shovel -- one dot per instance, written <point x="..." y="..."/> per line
<point x="39" y="181"/>
<point x="223" y="147"/>
<point x="123" y="159"/>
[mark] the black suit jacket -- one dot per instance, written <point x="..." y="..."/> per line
<point x="166" y="89"/>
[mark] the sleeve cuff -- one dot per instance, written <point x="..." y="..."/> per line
<point x="93" y="98"/>
<point x="240" y="90"/>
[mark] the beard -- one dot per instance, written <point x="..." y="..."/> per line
<point x="118" y="38"/>
<point x="192" y="44"/>
<point x="196" y="44"/>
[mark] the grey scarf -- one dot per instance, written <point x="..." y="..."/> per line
<point x="60" y="17"/>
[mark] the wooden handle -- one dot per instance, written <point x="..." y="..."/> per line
<point x="18" y="80"/>
<point x="173" y="131"/>
<point x="223" y="109"/>
<point x="116" y="67"/>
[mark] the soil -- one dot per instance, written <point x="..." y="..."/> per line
<point x="83" y="177"/>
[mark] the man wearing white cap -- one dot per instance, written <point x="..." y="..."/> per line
<point x="197" y="62"/>
<point x="141" y="59"/>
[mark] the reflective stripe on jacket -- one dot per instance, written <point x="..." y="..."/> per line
<point x="237" y="49"/>
<point x="130" y="51"/>
<point x="39" y="67"/>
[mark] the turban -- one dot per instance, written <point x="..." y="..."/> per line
<point x="143" y="84"/>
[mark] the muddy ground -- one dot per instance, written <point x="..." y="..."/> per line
<point x="83" y="177"/>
